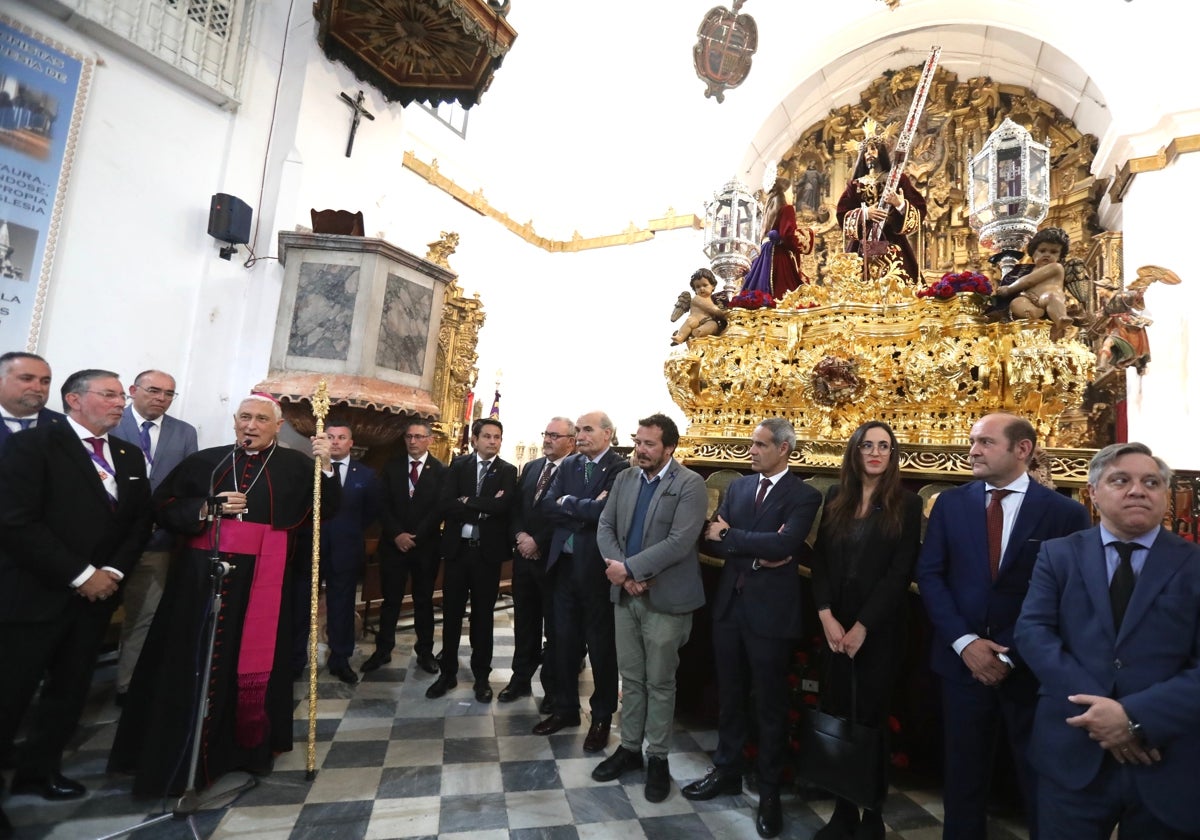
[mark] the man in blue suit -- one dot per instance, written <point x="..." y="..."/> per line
<point x="973" y="571"/>
<point x="343" y="554"/>
<point x="582" y="609"/>
<point x="24" y="389"/>
<point x="1111" y="627"/>
<point x="164" y="442"/>
<point x="758" y="531"/>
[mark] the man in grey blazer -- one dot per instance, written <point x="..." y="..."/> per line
<point x="164" y="442"/>
<point x="648" y="536"/>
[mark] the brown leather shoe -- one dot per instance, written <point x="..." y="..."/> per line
<point x="597" y="737"/>
<point x="554" y="723"/>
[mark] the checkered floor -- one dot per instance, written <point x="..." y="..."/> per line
<point x="395" y="765"/>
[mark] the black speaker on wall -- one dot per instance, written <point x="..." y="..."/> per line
<point x="229" y="219"/>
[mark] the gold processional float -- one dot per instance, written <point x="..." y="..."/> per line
<point x="849" y="345"/>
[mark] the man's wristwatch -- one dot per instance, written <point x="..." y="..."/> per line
<point x="721" y="534"/>
<point x="1135" y="730"/>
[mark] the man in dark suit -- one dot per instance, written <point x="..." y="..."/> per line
<point x="410" y="523"/>
<point x="582" y="609"/>
<point x="343" y="555"/>
<point x="476" y="497"/>
<point x="1111" y="627"/>
<point x="164" y="442"/>
<point x="973" y="571"/>
<point x="758" y="531"/>
<point x="647" y="536"/>
<point x="74" y="515"/>
<point x="24" y="389"/>
<point x="532" y="585"/>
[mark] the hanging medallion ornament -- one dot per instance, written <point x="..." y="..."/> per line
<point x="726" y="42"/>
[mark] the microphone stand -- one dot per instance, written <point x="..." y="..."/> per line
<point x="190" y="802"/>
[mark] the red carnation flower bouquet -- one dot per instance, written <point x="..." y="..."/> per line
<point x="957" y="284"/>
<point x="753" y="299"/>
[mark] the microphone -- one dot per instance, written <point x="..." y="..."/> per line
<point x="214" y="503"/>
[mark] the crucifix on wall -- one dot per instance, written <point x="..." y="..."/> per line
<point x="359" y="112"/>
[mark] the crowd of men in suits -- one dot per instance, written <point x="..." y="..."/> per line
<point x="1079" y="645"/>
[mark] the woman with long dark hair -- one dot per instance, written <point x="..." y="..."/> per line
<point x="863" y="560"/>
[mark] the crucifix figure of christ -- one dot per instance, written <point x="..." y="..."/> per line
<point x="359" y="112"/>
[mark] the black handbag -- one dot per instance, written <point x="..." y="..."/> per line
<point x="844" y="757"/>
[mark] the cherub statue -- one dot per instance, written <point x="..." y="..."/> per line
<point x="706" y="313"/>
<point x="1037" y="290"/>
<point x="1125" y="342"/>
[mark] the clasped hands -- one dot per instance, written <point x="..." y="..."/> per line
<point x="614" y="570"/>
<point x="99" y="586"/>
<point x="233" y="503"/>
<point x="1107" y="724"/>
<point x="838" y="638"/>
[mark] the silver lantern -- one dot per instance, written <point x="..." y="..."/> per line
<point x="732" y="220"/>
<point x="1010" y="191"/>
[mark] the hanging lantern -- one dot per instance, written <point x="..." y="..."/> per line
<point x="725" y="43"/>
<point x="732" y="220"/>
<point x="1010" y="190"/>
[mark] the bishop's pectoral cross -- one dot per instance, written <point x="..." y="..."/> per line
<point x="359" y="112"/>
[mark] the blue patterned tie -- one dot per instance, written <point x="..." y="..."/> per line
<point x="144" y="440"/>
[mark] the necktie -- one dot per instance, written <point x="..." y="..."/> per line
<point x="102" y="462"/>
<point x="544" y="480"/>
<point x="337" y="471"/>
<point x="23" y="423"/>
<point x="483" y="468"/>
<point x="144" y="440"/>
<point x="587" y="470"/>
<point x="763" y="487"/>
<point x="1120" y="590"/>
<point x="995" y="530"/>
<point x="414" y="473"/>
<point x="98" y="448"/>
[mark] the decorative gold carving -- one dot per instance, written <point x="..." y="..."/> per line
<point x="440" y="251"/>
<point x="456" y="368"/>
<point x="1151" y="163"/>
<point x="320" y="409"/>
<point x="917" y="460"/>
<point x="864" y="351"/>
<point x="476" y="201"/>
<point x="958" y="118"/>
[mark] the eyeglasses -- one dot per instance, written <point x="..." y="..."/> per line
<point x="555" y="435"/>
<point x="871" y="446"/>
<point x="109" y="396"/>
<point x="159" y="392"/>
<point x="416" y="437"/>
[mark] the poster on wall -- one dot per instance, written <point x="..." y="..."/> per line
<point x="43" y="88"/>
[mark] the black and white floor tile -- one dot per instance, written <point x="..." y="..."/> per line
<point x="395" y="765"/>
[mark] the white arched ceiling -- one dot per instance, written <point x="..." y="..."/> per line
<point x="968" y="51"/>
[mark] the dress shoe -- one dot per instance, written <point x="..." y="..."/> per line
<point x="344" y="673"/>
<point x="597" y="736"/>
<point x="713" y="785"/>
<point x="440" y="686"/>
<point x="54" y="787"/>
<point x="483" y="691"/>
<point x="621" y="761"/>
<point x="770" y="815"/>
<point x="871" y="827"/>
<point x="554" y="723"/>
<point x="547" y="707"/>
<point x="427" y="663"/>
<point x="374" y="661"/>
<point x="842" y="824"/>
<point x="514" y="691"/>
<point x="658" y="778"/>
